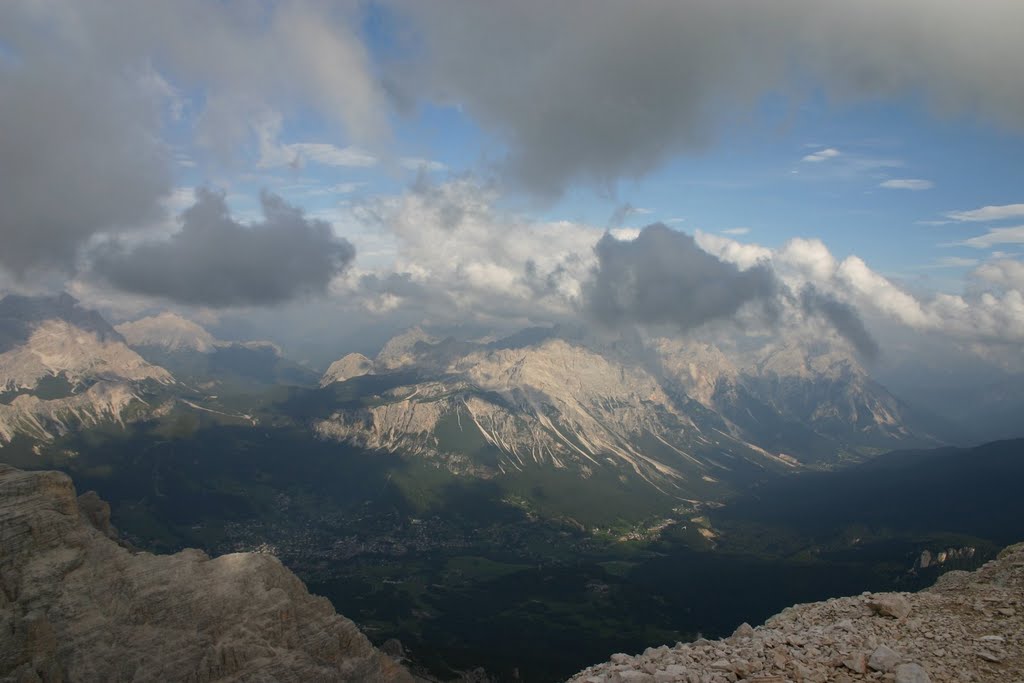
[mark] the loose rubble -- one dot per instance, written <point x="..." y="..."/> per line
<point x="966" y="628"/>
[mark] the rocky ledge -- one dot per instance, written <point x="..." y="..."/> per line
<point x="77" y="606"/>
<point x="967" y="627"/>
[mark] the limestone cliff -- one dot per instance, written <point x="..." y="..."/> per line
<point x="77" y="606"/>
<point x="967" y="627"/>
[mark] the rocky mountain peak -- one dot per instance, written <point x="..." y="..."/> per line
<point x="401" y="350"/>
<point x="349" y="366"/>
<point x="76" y="605"/>
<point x="558" y="371"/>
<point x="42" y="336"/>
<point x="21" y="315"/>
<point x="168" y="331"/>
<point x="576" y="401"/>
<point x="62" y="365"/>
<point x="804" y="361"/>
<point x="700" y="368"/>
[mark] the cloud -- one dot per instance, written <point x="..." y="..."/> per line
<point x="216" y="261"/>
<point x="736" y="231"/>
<point x="842" y="316"/>
<point x="1014" y="235"/>
<point x="1005" y="273"/>
<point x="87" y="91"/>
<point x="663" y="277"/>
<point x="822" y="155"/>
<point x="456" y="257"/>
<point x="273" y="153"/>
<point x="907" y="184"/>
<point x="594" y="91"/>
<point x="460" y="258"/>
<point x="988" y="213"/>
<point x="990" y="312"/>
<point x="741" y="254"/>
<point x="622" y="213"/>
<point x="242" y="59"/>
<point x="78" y="155"/>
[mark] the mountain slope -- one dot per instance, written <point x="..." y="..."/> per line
<point x="62" y="366"/>
<point x="495" y="410"/>
<point x="195" y="356"/>
<point x="78" y="606"/>
<point x="47" y="337"/>
<point x="690" y="423"/>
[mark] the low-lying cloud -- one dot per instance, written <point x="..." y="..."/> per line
<point x="663" y="278"/>
<point x="842" y="316"/>
<point x="216" y="261"/>
<point x="78" y="155"/>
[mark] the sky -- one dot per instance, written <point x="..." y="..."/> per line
<point x="332" y="171"/>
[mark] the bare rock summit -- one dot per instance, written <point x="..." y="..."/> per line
<point x="77" y="606"/>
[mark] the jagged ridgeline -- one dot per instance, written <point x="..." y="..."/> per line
<point x="681" y="419"/>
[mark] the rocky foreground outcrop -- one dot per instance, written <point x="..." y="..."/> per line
<point x="967" y="627"/>
<point x="77" y="606"/>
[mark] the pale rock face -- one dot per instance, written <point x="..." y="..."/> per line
<point x="47" y="338"/>
<point x="701" y="369"/>
<point x="56" y="346"/>
<point x="964" y="628"/>
<point x="352" y="365"/>
<point x="828" y="390"/>
<point x="555" y="404"/>
<point x="77" y="606"/>
<point x="678" y="413"/>
<point x="168" y="331"/>
<point x="399" y="352"/>
<point x="43" y="420"/>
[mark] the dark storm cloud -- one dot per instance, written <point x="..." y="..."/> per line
<point x="597" y="90"/>
<point x="78" y="154"/>
<point x="663" y="277"/>
<point x="842" y="316"/>
<point x="85" y="88"/>
<point x="216" y="261"/>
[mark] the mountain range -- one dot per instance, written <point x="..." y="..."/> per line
<point x="555" y="482"/>
<point x="64" y="367"/>
<point x="685" y="418"/>
<point x="682" y="417"/>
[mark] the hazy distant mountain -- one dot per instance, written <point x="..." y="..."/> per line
<point x="691" y="422"/>
<point x="814" y="402"/>
<point x="62" y="366"/>
<point x="168" y="331"/>
<point x="194" y="355"/>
